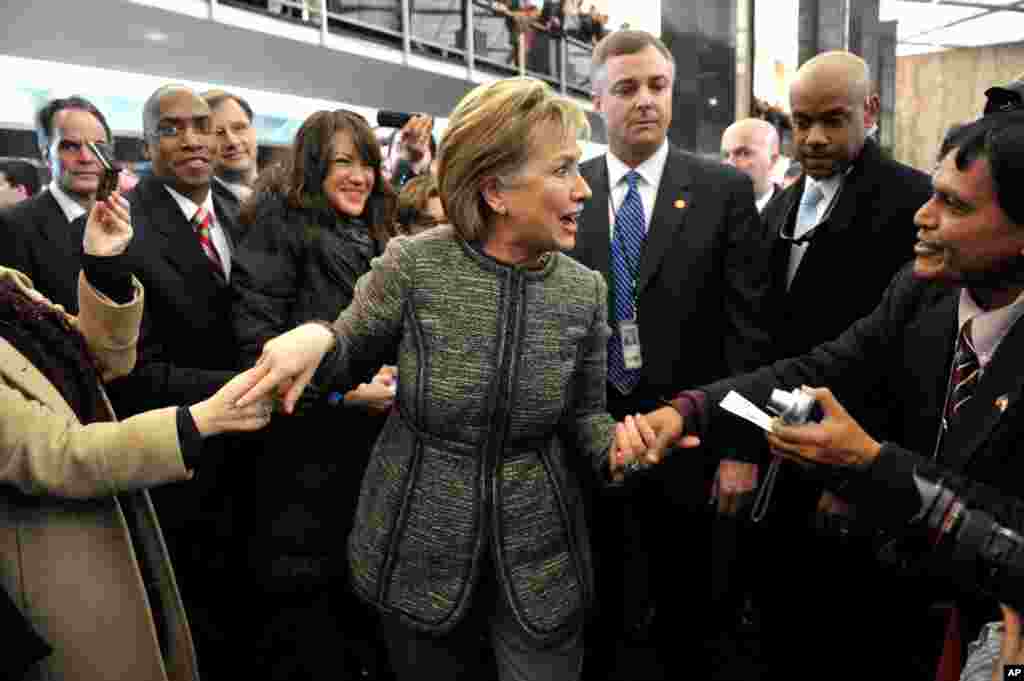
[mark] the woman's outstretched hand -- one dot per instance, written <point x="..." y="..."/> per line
<point x="288" y="363"/>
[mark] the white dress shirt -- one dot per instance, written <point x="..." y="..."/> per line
<point x="217" y="235"/>
<point x="763" y="200"/>
<point x="71" y="208"/>
<point x="650" y="172"/>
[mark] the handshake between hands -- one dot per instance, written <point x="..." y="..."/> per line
<point x="643" y="440"/>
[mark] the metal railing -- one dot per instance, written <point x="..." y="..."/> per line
<point x="478" y="34"/>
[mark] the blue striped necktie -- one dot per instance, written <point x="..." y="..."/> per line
<point x="627" y="245"/>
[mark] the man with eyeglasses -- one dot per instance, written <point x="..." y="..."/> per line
<point x="236" y="161"/>
<point x="838" y="234"/>
<point x="37" y="236"/>
<point x="186" y="228"/>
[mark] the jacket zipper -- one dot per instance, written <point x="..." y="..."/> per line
<point x="506" y="357"/>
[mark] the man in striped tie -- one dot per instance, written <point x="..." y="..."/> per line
<point x="944" y="353"/>
<point x="678" y="240"/>
<point x="185" y="231"/>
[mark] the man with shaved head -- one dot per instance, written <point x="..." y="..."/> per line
<point x="839" y="234"/>
<point x="751" y="146"/>
<point x="185" y="231"/>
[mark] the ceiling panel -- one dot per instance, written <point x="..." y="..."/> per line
<point x="999" y="27"/>
<point x="929" y="26"/>
<point x="916" y="18"/>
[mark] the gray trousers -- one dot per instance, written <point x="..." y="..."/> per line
<point x="488" y="637"/>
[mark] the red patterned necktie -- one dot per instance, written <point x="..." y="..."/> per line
<point x="201" y="223"/>
<point x="966" y="370"/>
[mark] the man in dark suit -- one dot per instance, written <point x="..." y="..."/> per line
<point x="751" y="145"/>
<point x="847" y="222"/>
<point x="185" y="232"/>
<point x="944" y="352"/>
<point x="237" y="150"/>
<point x="677" y="237"/>
<point x="37" y="236"/>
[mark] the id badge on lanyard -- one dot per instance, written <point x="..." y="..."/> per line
<point x="629" y="329"/>
<point x="629" y="334"/>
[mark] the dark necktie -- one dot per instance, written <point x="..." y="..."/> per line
<point x="966" y="370"/>
<point x="627" y="245"/>
<point x="201" y="222"/>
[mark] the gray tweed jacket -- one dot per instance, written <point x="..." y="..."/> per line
<point x="502" y="378"/>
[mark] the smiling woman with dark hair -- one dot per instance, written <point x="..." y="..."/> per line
<point x="314" y="223"/>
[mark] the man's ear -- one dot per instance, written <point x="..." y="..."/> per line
<point x="872" y="105"/>
<point x="146" y="154"/>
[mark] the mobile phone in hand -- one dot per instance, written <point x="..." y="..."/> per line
<point x="109" y="177"/>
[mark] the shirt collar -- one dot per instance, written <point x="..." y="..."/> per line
<point x="829" y="186"/>
<point x="989" y="326"/>
<point x="651" y="169"/>
<point x="240" y="190"/>
<point x="72" y="209"/>
<point x="763" y="200"/>
<point x="189" y="207"/>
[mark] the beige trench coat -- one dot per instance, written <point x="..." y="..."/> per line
<point x="66" y="556"/>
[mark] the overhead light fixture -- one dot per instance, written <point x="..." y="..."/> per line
<point x="155" y="36"/>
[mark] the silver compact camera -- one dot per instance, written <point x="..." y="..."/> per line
<point x="794" y="408"/>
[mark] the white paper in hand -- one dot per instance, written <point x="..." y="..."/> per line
<point x="739" y="405"/>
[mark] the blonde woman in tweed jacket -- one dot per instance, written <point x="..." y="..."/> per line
<point x="469" y="518"/>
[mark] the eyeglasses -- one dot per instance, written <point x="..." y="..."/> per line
<point x="75" y="147"/>
<point x="201" y="125"/>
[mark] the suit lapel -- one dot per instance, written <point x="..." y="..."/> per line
<point x="928" y="354"/>
<point x="181" y="245"/>
<point x="593" y="245"/>
<point x="54" y="227"/>
<point x="226" y="207"/>
<point x="1000" y="385"/>
<point x="780" y="215"/>
<point x="595" y="229"/>
<point x="674" y="202"/>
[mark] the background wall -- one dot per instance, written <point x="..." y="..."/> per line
<point x="935" y="91"/>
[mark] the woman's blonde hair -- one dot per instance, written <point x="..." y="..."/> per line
<point x="490" y="134"/>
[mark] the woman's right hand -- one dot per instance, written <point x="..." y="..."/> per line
<point x="220" y="413"/>
<point x="288" y="363"/>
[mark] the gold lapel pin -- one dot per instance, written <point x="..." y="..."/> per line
<point x="1002" y="403"/>
<point x="680" y="203"/>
